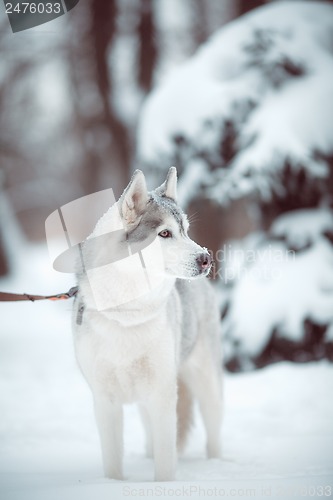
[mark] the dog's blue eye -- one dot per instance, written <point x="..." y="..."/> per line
<point x="165" y="233"/>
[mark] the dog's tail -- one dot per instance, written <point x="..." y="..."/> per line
<point x="184" y="414"/>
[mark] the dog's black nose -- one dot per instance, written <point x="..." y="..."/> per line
<point x="204" y="261"/>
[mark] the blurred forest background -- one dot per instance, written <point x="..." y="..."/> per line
<point x="242" y="108"/>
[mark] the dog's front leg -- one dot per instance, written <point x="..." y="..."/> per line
<point x="162" y="412"/>
<point x="109" y="418"/>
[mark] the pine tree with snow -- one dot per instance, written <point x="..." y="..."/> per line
<point x="248" y="121"/>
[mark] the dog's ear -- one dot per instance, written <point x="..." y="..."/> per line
<point x="134" y="199"/>
<point x="169" y="186"/>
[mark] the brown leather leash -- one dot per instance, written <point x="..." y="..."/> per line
<point x="14" y="297"/>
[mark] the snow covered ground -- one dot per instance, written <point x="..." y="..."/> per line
<point x="277" y="430"/>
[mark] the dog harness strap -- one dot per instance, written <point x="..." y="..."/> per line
<point x="14" y="297"/>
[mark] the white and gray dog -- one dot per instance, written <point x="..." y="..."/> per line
<point x="146" y="329"/>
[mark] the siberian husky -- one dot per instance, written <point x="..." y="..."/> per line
<point x="158" y="344"/>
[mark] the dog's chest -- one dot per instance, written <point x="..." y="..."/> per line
<point x="125" y="366"/>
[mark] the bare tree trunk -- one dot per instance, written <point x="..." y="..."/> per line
<point x="4" y="267"/>
<point x="101" y="136"/>
<point x="11" y="236"/>
<point x="247" y="5"/>
<point x="200" y="28"/>
<point x="147" y="45"/>
<point x="103" y="29"/>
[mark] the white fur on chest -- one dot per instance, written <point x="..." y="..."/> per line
<point x="126" y="363"/>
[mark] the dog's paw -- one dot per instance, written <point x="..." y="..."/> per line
<point x="214" y="451"/>
<point x="114" y="475"/>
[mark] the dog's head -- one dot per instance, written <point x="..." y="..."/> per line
<point x="156" y="214"/>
